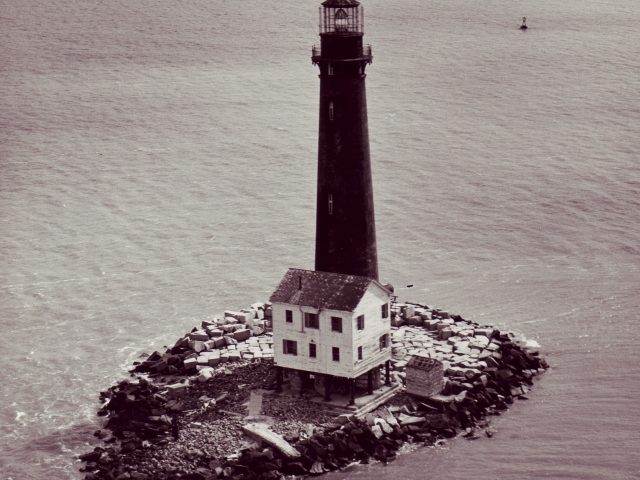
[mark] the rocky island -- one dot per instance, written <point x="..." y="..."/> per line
<point x="208" y="408"/>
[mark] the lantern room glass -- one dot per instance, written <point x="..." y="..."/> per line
<point x="341" y="20"/>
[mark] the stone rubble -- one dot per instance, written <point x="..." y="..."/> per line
<point x="217" y="341"/>
<point x="183" y="414"/>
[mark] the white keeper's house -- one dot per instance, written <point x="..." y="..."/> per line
<point x="331" y="325"/>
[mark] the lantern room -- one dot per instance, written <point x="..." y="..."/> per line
<point x="341" y="17"/>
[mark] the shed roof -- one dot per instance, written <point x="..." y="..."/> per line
<point x="334" y="291"/>
<point x="421" y="362"/>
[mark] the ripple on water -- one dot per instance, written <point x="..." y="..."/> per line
<point x="152" y="177"/>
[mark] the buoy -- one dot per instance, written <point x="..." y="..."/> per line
<point x="524" y="24"/>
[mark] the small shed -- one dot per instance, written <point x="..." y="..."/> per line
<point x="424" y="376"/>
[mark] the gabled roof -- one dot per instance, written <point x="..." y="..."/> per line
<point x="334" y="291"/>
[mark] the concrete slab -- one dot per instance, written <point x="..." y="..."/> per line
<point x="363" y="403"/>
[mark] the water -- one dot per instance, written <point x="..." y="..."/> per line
<point x="158" y="166"/>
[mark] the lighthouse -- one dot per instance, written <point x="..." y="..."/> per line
<point x="345" y="223"/>
<point x="332" y="325"/>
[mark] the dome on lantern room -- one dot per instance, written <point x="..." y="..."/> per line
<point x="340" y="3"/>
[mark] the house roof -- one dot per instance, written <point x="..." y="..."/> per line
<point x="334" y="291"/>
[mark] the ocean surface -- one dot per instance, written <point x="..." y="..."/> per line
<point x="157" y="166"/>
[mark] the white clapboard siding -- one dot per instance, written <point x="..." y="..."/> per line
<point x="325" y="339"/>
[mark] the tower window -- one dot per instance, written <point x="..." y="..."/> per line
<point x="360" y="322"/>
<point x="312" y="350"/>
<point x="311" y="320"/>
<point x="330" y="201"/>
<point x="290" y="347"/>
<point x="336" y="324"/>
<point x="288" y="316"/>
<point x="385" y="310"/>
<point x="330" y="69"/>
<point x="330" y="110"/>
<point x="335" y="354"/>
<point x="359" y="353"/>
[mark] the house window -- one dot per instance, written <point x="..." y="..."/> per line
<point x="384" y="341"/>
<point x="290" y="347"/>
<point x="311" y="320"/>
<point x="360" y="322"/>
<point x="312" y="350"/>
<point x="385" y="310"/>
<point x="335" y="354"/>
<point x="330" y="204"/>
<point x="359" y="353"/>
<point x="330" y="69"/>
<point x="288" y="316"/>
<point x="336" y="324"/>
<point x="330" y="110"/>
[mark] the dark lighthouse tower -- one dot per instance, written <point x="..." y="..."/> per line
<point x="345" y="225"/>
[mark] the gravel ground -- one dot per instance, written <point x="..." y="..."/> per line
<point x="210" y="426"/>
<point x="295" y="416"/>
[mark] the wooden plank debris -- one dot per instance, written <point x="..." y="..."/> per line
<point x="262" y="432"/>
